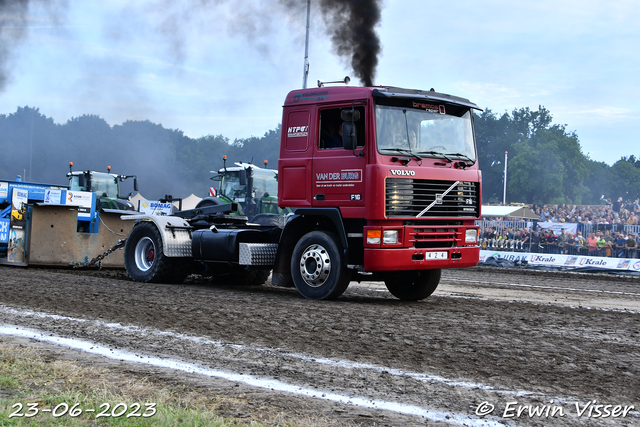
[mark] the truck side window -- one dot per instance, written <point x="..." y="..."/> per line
<point x="331" y="128"/>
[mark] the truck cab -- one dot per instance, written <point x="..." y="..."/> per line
<point x="401" y="192"/>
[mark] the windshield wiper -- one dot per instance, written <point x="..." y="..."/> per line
<point x="463" y="164"/>
<point x="437" y="153"/>
<point x="404" y="151"/>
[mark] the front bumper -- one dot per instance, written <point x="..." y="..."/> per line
<point x="396" y="259"/>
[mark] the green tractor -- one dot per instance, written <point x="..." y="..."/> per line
<point x="254" y="189"/>
<point x="105" y="185"/>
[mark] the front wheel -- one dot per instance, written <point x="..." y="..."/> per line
<point x="317" y="266"/>
<point x="413" y="285"/>
<point x="145" y="261"/>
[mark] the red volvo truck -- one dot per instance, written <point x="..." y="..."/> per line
<point x="384" y="185"/>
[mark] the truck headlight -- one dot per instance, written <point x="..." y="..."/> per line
<point x="373" y="237"/>
<point x="471" y="236"/>
<point x="390" y="237"/>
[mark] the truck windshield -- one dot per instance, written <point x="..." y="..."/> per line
<point x="425" y="133"/>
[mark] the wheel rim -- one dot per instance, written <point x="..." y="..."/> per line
<point x="315" y="265"/>
<point x="145" y="253"/>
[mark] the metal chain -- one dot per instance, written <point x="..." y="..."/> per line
<point x="97" y="260"/>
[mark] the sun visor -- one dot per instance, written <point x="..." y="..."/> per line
<point x="422" y="95"/>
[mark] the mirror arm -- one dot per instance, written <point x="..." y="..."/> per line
<point x="353" y="127"/>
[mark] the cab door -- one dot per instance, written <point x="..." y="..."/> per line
<point x="338" y="174"/>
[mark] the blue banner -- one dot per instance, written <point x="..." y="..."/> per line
<point x="4" y="230"/>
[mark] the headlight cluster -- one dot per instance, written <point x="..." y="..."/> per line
<point x="471" y="236"/>
<point x="390" y="237"/>
<point x="387" y="237"/>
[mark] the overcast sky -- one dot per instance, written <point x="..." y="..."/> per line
<point x="224" y="67"/>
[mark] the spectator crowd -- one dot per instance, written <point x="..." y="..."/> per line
<point x="607" y="230"/>
<point x="611" y="213"/>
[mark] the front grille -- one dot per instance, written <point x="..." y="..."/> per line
<point x="410" y="197"/>
<point x="434" y="237"/>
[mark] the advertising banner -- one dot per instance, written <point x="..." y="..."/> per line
<point x="4" y="230"/>
<point x="154" y="207"/>
<point x="17" y="225"/>
<point x="4" y="190"/>
<point x="83" y="199"/>
<point x="52" y="196"/>
<point x="565" y="261"/>
<point x="509" y="256"/>
<point x="557" y="227"/>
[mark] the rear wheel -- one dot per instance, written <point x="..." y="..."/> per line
<point x="208" y="201"/>
<point x="317" y="266"/>
<point x="145" y="261"/>
<point x="413" y="285"/>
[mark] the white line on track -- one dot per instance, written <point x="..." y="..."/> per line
<point x="543" y="287"/>
<point x="304" y="357"/>
<point x="94" y="348"/>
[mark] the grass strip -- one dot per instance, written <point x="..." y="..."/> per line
<point x="31" y="380"/>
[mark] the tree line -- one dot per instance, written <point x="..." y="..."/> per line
<point x="546" y="163"/>
<point x="165" y="161"/>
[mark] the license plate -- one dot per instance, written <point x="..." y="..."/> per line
<point x="436" y="255"/>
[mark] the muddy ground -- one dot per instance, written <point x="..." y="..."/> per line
<point x="510" y="338"/>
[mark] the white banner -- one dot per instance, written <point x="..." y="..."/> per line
<point x="53" y="196"/>
<point x="83" y="200"/>
<point x="557" y="227"/>
<point x="565" y="261"/>
<point x="154" y="207"/>
<point x="4" y="190"/>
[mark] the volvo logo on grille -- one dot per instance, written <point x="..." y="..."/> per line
<point x="439" y="198"/>
<point x="403" y="172"/>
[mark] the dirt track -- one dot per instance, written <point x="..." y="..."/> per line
<point x="486" y="335"/>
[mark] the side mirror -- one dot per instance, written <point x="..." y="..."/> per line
<point x="242" y="175"/>
<point x="135" y="184"/>
<point x="81" y="180"/>
<point x="350" y="115"/>
<point x="349" y="138"/>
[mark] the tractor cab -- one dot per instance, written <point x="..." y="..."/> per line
<point x="105" y="185"/>
<point x="254" y="189"/>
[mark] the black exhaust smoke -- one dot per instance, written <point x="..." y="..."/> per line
<point x="351" y="24"/>
<point x="13" y="28"/>
<point x="12" y="31"/>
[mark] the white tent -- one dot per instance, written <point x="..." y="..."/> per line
<point x="509" y="212"/>
<point x="137" y="198"/>
<point x="189" y="202"/>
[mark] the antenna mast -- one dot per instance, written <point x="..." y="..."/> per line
<point x="306" y="49"/>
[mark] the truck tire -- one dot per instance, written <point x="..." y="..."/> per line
<point x="317" y="266"/>
<point x="145" y="260"/>
<point x="413" y="285"/>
